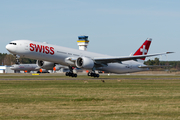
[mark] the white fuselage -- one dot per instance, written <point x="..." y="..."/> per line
<point x="31" y="67"/>
<point x="60" y="55"/>
<point x="22" y="67"/>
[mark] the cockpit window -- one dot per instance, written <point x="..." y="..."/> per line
<point x="13" y="43"/>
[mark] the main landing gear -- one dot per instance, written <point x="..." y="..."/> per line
<point x="93" y="74"/>
<point x="70" y="73"/>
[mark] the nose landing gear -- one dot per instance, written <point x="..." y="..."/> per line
<point x="17" y="59"/>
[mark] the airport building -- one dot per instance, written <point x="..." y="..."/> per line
<point x="6" y="69"/>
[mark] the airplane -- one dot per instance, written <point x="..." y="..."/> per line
<point x="27" y="68"/>
<point x="24" y="67"/>
<point x="83" y="59"/>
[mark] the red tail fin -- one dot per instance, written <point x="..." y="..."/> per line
<point x="143" y="50"/>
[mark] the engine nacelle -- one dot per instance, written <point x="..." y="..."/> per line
<point x="84" y="62"/>
<point x="45" y="64"/>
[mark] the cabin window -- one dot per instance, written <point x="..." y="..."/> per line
<point x="75" y="55"/>
<point x="61" y="52"/>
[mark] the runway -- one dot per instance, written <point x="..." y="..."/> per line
<point x="85" y="77"/>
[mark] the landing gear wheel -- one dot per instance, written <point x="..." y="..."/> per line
<point x="93" y="74"/>
<point x="89" y="74"/>
<point x="70" y="74"/>
<point x="74" y="75"/>
<point x="97" y="75"/>
<point x="67" y="73"/>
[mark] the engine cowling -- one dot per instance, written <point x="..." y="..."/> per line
<point x="84" y="62"/>
<point x="45" y="64"/>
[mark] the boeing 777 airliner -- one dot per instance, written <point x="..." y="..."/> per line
<point x="82" y="59"/>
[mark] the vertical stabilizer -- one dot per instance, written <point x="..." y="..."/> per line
<point x="143" y="50"/>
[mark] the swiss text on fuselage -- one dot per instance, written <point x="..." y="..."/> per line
<point x="41" y="48"/>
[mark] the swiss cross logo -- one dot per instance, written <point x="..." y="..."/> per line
<point x="143" y="50"/>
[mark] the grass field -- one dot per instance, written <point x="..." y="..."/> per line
<point x="83" y="98"/>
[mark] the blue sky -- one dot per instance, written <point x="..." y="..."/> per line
<point x="114" y="27"/>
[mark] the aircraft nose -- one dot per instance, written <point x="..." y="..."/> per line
<point x="10" y="48"/>
<point x="7" y="47"/>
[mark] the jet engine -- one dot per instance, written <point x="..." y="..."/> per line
<point x="45" y="64"/>
<point x="84" y="62"/>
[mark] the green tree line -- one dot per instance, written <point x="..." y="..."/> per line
<point x="9" y="59"/>
<point x="175" y="65"/>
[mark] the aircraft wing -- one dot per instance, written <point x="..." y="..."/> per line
<point x="105" y="60"/>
